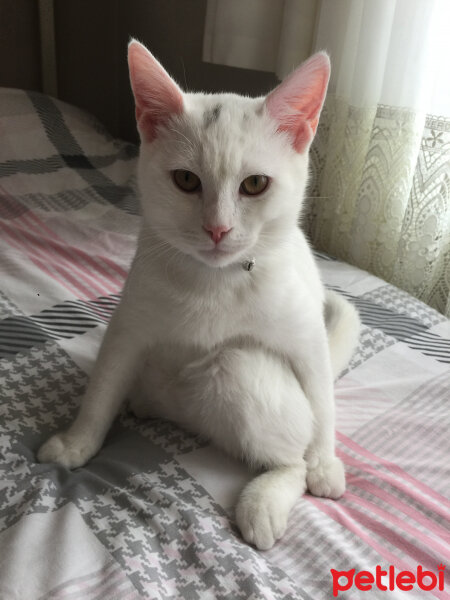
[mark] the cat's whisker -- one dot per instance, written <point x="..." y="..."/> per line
<point x="189" y="143"/>
<point x="151" y="253"/>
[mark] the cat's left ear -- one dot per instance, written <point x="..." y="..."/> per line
<point x="156" y="94"/>
<point x="296" y="103"/>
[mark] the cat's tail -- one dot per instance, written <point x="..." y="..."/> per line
<point x="343" y="326"/>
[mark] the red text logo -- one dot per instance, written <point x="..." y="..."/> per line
<point x="388" y="580"/>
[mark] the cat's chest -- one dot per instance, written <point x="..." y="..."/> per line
<point x="205" y="319"/>
<point x="206" y="316"/>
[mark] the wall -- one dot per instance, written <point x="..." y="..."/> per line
<point x="91" y="43"/>
<point x="92" y="39"/>
<point x="19" y="44"/>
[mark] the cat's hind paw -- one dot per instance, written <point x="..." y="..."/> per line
<point x="69" y="451"/>
<point x="326" y="477"/>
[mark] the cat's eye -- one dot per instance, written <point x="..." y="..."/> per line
<point x="186" y="180"/>
<point x="254" y="185"/>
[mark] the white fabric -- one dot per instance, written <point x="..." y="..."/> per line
<point x="391" y="52"/>
<point x="381" y="157"/>
<point x="385" y="52"/>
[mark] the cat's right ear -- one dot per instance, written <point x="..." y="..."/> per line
<point x="156" y="94"/>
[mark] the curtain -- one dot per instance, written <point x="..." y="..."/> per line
<point x="379" y="193"/>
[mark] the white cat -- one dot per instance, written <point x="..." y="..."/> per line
<point x="245" y="356"/>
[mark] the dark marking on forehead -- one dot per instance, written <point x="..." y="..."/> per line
<point x="260" y="110"/>
<point x="212" y="115"/>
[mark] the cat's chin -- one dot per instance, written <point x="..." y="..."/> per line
<point x="218" y="257"/>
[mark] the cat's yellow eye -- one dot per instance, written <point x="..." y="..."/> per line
<point x="186" y="180"/>
<point x="254" y="185"/>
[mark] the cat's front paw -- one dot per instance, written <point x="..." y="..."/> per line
<point x="262" y="521"/>
<point x="326" y="477"/>
<point x="66" y="450"/>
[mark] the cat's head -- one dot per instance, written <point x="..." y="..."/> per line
<point x="221" y="175"/>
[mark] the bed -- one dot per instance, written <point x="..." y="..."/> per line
<point x="151" y="515"/>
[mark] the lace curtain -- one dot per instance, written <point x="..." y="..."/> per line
<point x="379" y="195"/>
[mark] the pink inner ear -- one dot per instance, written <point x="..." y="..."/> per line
<point x="156" y="95"/>
<point x="296" y="103"/>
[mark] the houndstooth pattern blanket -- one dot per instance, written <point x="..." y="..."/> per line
<point x="151" y="515"/>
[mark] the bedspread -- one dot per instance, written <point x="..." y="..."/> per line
<point x="151" y="515"/>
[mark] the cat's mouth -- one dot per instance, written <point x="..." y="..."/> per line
<point x="219" y="256"/>
<point x="218" y="251"/>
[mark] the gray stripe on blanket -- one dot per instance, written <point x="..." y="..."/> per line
<point x="55" y="162"/>
<point x="72" y="153"/>
<point x="62" y="321"/>
<point x="32" y="166"/>
<point x="402" y="327"/>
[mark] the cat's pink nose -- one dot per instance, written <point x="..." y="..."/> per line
<point x="216" y="233"/>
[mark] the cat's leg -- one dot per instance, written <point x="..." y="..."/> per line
<point x="140" y="404"/>
<point x="250" y="403"/>
<point x="325" y="474"/>
<point x="111" y="378"/>
<point x="265" y="503"/>
<point x="158" y="381"/>
<point x="312" y="366"/>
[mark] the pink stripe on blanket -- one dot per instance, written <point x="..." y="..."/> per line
<point x="427" y="541"/>
<point x="395" y="502"/>
<point x="41" y="265"/>
<point x="400" y="485"/>
<point x="346" y="517"/>
<point x="104" y="266"/>
<point x="101" y="263"/>
<point x="57" y="251"/>
<point x="55" y="264"/>
<point x="395" y="469"/>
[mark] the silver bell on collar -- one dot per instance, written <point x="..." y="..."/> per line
<point x="248" y="265"/>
